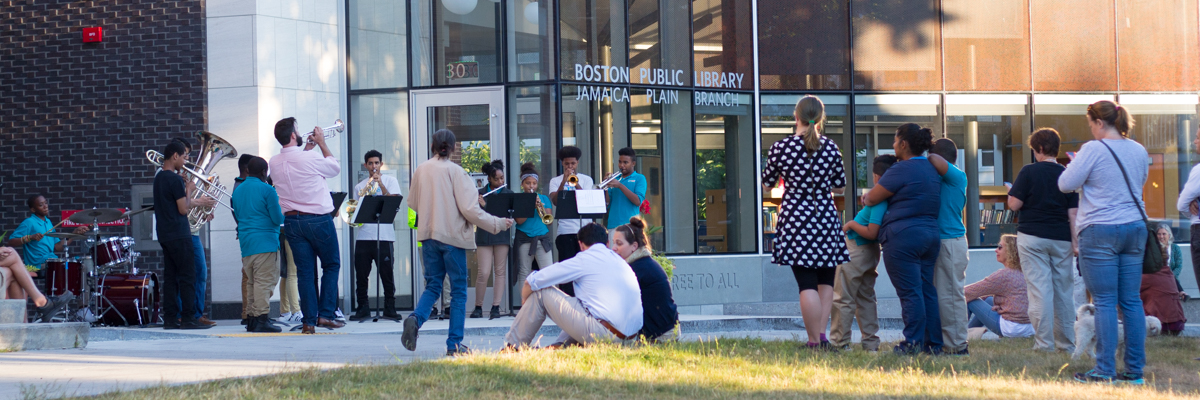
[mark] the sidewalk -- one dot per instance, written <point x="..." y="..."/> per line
<point x="130" y="358"/>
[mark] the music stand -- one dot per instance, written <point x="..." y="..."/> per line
<point x="378" y="210"/>
<point x="511" y="205"/>
<point x="338" y="198"/>
<point x="568" y="208"/>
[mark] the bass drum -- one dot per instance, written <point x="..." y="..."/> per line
<point x="129" y="299"/>
<point x="63" y="275"/>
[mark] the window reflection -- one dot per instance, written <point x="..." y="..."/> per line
<point x="1166" y="126"/>
<point x="1071" y="51"/>
<point x="593" y="33"/>
<point x="778" y="122"/>
<point x="466" y="44"/>
<point x="380" y="122"/>
<point x="662" y="138"/>
<point x="876" y="118"/>
<point x="722" y="41"/>
<point x="378" y="54"/>
<point x="660" y="37"/>
<point x="726" y="175"/>
<point x="987" y="44"/>
<point x="531" y="40"/>
<point x="821" y="60"/>
<point x="991" y="132"/>
<point x="897" y="45"/>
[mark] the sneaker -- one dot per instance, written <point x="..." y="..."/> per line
<point x="827" y="347"/>
<point x="907" y="349"/>
<point x="53" y="306"/>
<point x="495" y="313"/>
<point x="1092" y="377"/>
<point x="338" y="315"/>
<point x="477" y="313"/>
<point x="296" y="317"/>
<point x="460" y="350"/>
<point x="284" y="316"/>
<point x="1131" y="378"/>
<point x="409" y="337"/>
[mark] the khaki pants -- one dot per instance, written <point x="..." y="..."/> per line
<point x="949" y="277"/>
<point x="854" y="297"/>
<point x="289" y="293"/>
<point x="1049" y="281"/>
<point x="491" y="258"/>
<point x="263" y="271"/>
<point x="247" y="287"/>
<point x="565" y="311"/>
<point x="525" y="261"/>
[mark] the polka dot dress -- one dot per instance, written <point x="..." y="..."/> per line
<point x="809" y="231"/>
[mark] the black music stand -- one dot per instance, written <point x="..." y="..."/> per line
<point x="378" y="210"/>
<point x="338" y="198"/>
<point x="568" y="208"/>
<point x="511" y="205"/>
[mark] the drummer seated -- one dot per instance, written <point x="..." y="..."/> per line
<point x="31" y="237"/>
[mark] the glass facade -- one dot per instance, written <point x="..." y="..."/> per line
<point x="700" y="89"/>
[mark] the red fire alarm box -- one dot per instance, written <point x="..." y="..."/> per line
<point x="93" y="34"/>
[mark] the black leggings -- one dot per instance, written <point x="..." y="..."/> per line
<point x="809" y="278"/>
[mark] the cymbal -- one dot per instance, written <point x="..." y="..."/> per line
<point x="64" y="235"/>
<point x="131" y="213"/>
<point x="97" y="215"/>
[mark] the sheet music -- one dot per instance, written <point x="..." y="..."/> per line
<point x="590" y="201"/>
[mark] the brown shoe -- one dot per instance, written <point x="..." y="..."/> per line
<point x="206" y="321"/>
<point x="331" y="324"/>
<point x="308" y="329"/>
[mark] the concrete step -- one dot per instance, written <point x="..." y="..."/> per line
<point x="67" y="335"/>
<point x="12" y="311"/>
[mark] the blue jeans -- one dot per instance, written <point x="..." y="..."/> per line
<point x="312" y="237"/>
<point x="1110" y="258"/>
<point x="982" y="315"/>
<point x="440" y="259"/>
<point x="201" y="276"/>
<point x="910" y="257"/>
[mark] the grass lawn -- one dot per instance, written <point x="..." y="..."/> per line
<point x="743" y="368"/>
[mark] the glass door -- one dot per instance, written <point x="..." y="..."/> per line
<point x="476" y="116"/>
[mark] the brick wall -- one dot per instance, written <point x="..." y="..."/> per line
<point x="76" y="118"/>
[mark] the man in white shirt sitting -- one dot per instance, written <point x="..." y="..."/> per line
<point x="607" y="304"/>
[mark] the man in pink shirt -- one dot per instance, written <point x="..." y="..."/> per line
<point x="299" y="176"/>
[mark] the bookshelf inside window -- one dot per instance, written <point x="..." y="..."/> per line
<point x="995" y="219"/>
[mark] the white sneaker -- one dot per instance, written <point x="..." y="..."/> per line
<point x="283" y="317"/>
<point x="338" y="315"/>
<point x="296" y="317"/>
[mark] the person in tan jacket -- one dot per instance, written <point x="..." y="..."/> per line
<point x="447" y="205"/>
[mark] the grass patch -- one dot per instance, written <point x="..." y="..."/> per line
<point x="741" y="368"/>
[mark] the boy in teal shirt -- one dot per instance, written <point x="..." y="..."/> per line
<point x="854" y="286"/>
<point x="950" y="272"/>
<point x="626" y="193"/>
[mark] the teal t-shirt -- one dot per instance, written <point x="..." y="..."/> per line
<point x="866" y="216"/>
<point x="533" y="227"/>
<point x="36" y="253"/>
<point x="954" y="197"/>
<point x="620" y="210"/>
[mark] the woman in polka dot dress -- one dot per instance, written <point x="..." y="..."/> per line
<point x="809" y="235"/>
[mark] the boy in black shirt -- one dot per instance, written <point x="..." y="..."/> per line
<point x="172" y="201"/>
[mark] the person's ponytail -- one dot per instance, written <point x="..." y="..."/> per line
<point x="811" y="113"/>
<point x="1123" y="121"/>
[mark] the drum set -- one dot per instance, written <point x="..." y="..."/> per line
<point x="108" y="287"/>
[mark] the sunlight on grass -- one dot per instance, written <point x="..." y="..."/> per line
<point x="719" y="369"/>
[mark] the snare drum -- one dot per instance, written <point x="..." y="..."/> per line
<point x="129" y="299"/>
<point x="112" y="251"/>
<point x="64" y="275"/>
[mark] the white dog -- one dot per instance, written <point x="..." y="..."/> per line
<point x="1085" y="330"/>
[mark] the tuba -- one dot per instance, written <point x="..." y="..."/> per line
<point x="212" y="150"/>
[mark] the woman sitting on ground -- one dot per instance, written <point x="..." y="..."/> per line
<point x="46" y="306"/>
<point x="999" y="302"/>
<point x="659" y="316"/>
<point x="1160" y="290"/>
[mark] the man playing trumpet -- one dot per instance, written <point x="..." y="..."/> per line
<point x="299" y="177"/>
<point x="626" y="193"/>
<point x="373" y="242"/>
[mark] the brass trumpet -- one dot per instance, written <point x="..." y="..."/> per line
<point x="573" y="180"/>
<point x="546" y="217"/>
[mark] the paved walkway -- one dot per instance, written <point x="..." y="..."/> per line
<point x="120" y="358"/>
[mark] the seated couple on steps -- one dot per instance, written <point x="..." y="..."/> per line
<point x="15" y="283"/>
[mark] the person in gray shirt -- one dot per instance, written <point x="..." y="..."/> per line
<point x="1112" y="237"/>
